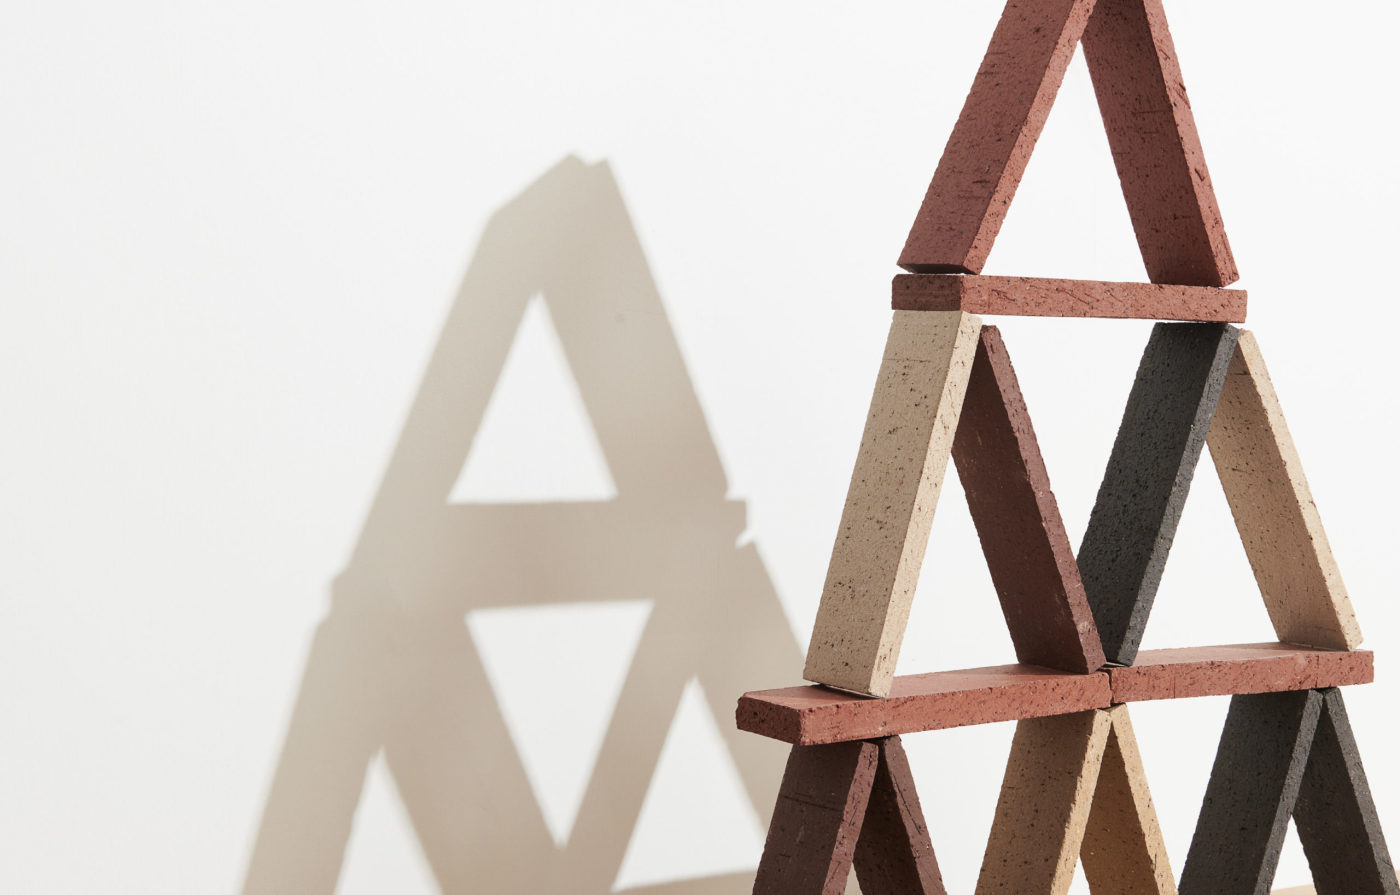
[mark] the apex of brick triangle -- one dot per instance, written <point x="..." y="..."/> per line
<point x="1151" y="132"/>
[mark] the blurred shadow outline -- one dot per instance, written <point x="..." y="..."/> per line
<point x="392" y="667"/>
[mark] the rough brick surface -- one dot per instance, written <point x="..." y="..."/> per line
<point x="810" y="715"/>
<point x="1044" y="804"/>
<point x="1017" y="520"/>
<point x="995" y="135"/>
<point x="1041" y="297"/>
<point x="889" y="507"/>
<point x="1253" y="786"/>
<point x="1149" y="473"/>
<point x="1240" y="668"/>
<point x="1123" y="852"/>
<point x="894" y="855"/>
<point x="1156" y="149"/>
<point x="816" y="823"/>
<point x="1274" y="510"/>
<point x="1336" y="817"/>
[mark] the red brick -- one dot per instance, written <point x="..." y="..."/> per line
<point x="1043" y="297"/>
<point x="1238" y="668"/>
<point x="1156" y="148"/>
<point x="816" y="823"/>
<point x="1018" y="522"/>
<point x="994" y="136"/>
<point x="813" y="715"/>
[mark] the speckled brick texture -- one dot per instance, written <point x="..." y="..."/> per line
<point x="1149" y="473"/>
<point x="1253" y="785"/>
<point x="1146" y="114"/>
<point x="1274" y="510"/>
<point x="1336" y="816"/>
<point x="809" y="715"/>
<point x="995" y="135"/>
<point x="1123" y="852"/>
<point x="894" y="855"/>
<point x="889" y="507"/>
<point x="1023" y="538"/>
<point x="1240" y="668"/>
<point x="816" y="823"/>
<point x="1044" y="805"/>
<point x="1156" y="148"/>
<point x="1043" y="297"/>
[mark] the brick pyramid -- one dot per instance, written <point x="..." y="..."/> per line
<point x="1074" y="787"/>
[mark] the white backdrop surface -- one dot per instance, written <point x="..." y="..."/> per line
<point x="229" y="238"/>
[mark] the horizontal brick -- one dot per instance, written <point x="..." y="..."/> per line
<point x="1043" y="297"/>
<point x="815" y="715"/>
<point x="1238" y="668"/>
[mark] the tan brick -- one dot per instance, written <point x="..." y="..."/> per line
<point x="889" y="508"/>
<point x="1123" y="851"/>
<point x="1274" y="510"/>
<point x="1044" y="804"/>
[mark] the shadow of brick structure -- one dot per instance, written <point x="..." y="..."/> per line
<point x="393" y="666"/>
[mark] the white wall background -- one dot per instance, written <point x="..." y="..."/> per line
<point x="229" y="234"/>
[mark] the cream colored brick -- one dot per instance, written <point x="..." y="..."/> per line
<point x="889" y="507"/>
<point x="1274" y="510"/>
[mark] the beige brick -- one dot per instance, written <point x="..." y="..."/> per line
<point x="889" y="508"/>
<point x="1274" y="510"/>
<point x="1044" y="804"/>
<point x="1123" y="851"/>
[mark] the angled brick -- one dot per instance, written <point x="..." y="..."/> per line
<point x="1018" y="522"/>
<point x="889" y="507"/>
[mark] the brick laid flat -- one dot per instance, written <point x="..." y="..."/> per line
<point x="1045" y="297"/>
<point x="812" y="715"/>
<point x="1237" y="668"/>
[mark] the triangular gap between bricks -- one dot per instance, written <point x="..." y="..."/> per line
<point x="1285" y="755"/>
<point x="1075" y="790"/>
<point x="1152" y="133"/>
<point x="1199" y="385"/>
<point x="843" y="806"/>
<point x="946" y="388"/>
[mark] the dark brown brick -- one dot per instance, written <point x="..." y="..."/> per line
<point x="1042" y="297"/>
<point x="1018" y="522"/>
<point x="894" y="855"/>
<point x="1336" y="816"/>
<point x="994" y="136"/>
<point x="816" y="823"/>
